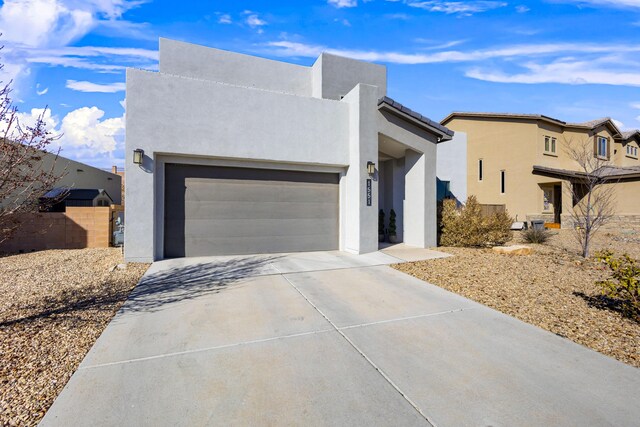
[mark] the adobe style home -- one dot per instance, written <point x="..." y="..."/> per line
<point x="519" y="160"/>
<point x="235" y="154"/>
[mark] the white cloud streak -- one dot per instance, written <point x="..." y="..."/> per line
<point x="343" y="3"/>
<point x="465" y="8"/>
<point x="613" y="64"/>
<point x="84" y="86"/>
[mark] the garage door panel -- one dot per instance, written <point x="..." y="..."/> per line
<point x="224" y="211"/>
<point x="259" y="227"/>
<point x="266" y="191"/>
<point x="253" y="245"/>
<point x="261" y="210"/>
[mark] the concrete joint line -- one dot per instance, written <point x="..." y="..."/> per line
<point x="200" y="350"/>
<point x="378" y="369"/>
<point x="400" y="319"/>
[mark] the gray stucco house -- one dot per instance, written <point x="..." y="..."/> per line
<point x="248" y="155"/>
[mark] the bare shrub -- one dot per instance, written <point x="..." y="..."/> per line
<point x="535" y="235"/>
<point x="466" y="226"/>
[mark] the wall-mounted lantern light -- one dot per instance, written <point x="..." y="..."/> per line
<point x="138" y="154"/>
<point x="371" y="168"/>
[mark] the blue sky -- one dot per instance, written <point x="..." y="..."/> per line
<point x="573" y="60"/>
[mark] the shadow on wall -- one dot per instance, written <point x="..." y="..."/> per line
<point x="443" y="192"/>
<point x="189" y="282"/>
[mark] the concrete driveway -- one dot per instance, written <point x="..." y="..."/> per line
<point x="331" y="339"/>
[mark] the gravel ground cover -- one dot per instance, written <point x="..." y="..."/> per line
<point x="53" y="306"/>
<point x="554" y="288"/>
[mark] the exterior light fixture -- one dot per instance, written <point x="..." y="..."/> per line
<point x="371" y="168"/>
<point x="138" y="154"/>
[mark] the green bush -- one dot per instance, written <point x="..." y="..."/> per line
<point x="392" y="223"/>
<point x="534" y="235"/>
<point x="624" y="283"/>
<point x="466" y="226"/>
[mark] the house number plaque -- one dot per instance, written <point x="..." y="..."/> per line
<point x="368" y="192"/>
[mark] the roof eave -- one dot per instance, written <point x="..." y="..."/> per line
<point x="387" y="104"/>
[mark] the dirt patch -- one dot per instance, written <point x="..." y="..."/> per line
<point x="53" y="306"/>
<point x="554" y="289"/>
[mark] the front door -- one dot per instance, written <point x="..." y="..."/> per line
<point x="557" y="203"/>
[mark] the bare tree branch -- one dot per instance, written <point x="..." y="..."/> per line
<point x="592" y="194"/>
<point x="24" y="178"/>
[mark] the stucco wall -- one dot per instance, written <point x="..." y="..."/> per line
<point x="188" y="117"/>
<point x="190" y="60"/>
<point x="452" y="165"/>
<point x="338" y="75"/>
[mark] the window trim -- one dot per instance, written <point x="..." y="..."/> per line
<point x="607" y="155"/>
<point x="550" y="146"/>
<point x="634" y="151"/>
<point x="503" y="181"/>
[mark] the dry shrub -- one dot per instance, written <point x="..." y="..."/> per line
<point x="535" y="235"/>
<point x="466" y="226"/>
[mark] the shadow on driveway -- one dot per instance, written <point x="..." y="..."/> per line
<point x="183" y="283"/>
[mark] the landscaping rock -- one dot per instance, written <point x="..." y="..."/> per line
<point x="553" y="288"/>
<point x="513" y="250"/>
<point x="53" y="306"/>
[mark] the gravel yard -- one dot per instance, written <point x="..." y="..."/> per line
<point x="554" y="288"/>
<point x="53" y="306"/>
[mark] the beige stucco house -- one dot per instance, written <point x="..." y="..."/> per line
<point x="519" y="160"/>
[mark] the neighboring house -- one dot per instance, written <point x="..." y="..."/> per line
<point x="120" y="173"/>
<point x="248" y="155"/>
<point x="519" y="160"/>
<point x="76" y="175"/>
<point x="59" y="198"/>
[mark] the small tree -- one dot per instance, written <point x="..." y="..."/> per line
<point x="23" y="177"/>
<point x="592" y="193"/>
<point x="392" y="223"/>
<point x="381" y="223"/>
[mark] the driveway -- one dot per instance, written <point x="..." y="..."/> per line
<point x="329" y="338"/>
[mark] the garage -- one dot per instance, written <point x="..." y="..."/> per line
<point x="213" y="210"/>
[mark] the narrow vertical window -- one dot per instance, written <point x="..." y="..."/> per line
<point x="480" y="172"/>
<point x="553" y="145"/>
<point x="546" y="144"/>
<point x="502" y="182"/>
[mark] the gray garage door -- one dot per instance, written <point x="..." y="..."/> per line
<point x="228" y="211"/>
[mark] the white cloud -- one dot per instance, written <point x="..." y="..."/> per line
<point x="566" y="71"/>
<point x="41" y="92"/>
<point x="635" y="105"/>
<point x="343" y="3"/>
<point x="225" y="18"/>
<point x="295" y="49"/>
<point x="84" y="86"/>
<point x="34" y="31"/>
<point x="254" y="21"/>
<point x="25" y="120"/>
<point x="465" y="8"/>
<point x="605" y="3"/>
<point x="84" y="129"/>
<point x="612" y="64"/>
<point x="522" y="9"/>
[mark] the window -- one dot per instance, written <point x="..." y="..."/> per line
<point x="549" y="145"/>
<point x="547" y="194"/>
<point x="632" y="151"/>
<point x="480" y="170"/>
<point x="602" y="147"/>
<point x="503" y="178"/>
